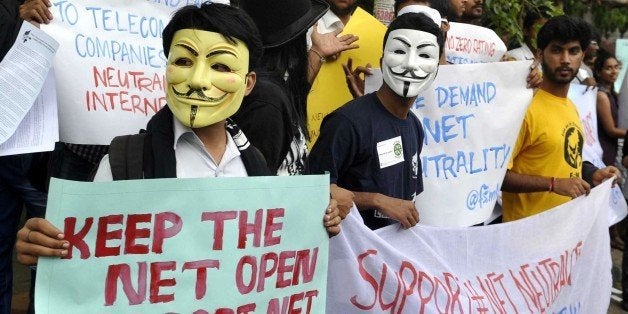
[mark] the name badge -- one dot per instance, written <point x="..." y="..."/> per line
<point x="390" y="152"/>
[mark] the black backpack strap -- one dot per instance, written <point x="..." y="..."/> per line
<point x="254" y="162"/>
<point x="252" y="158"/>
<point x="126" y="155"/>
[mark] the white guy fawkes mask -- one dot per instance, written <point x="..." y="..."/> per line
<point x="410" y="61"/>
<point x="206" y="77"/>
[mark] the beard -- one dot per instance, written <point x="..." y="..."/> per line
<point x="550" y="74"/>
<point x="342" y="11"/>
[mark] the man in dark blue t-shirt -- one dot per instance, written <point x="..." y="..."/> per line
<point x="371" y="145"/>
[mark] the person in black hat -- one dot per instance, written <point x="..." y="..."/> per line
<point x="274" y="115"/>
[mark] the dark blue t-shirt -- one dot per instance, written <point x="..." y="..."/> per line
<point x="367" y="149"/>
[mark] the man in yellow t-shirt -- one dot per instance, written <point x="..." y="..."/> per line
<point x="546" y="168"/>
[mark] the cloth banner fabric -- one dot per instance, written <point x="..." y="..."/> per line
<point x="329" y="89"/>
<point x="212" y="245"/>
<point x="467" y="43"/>
<point x="555" y="262"/>
<point x="110" y="65"/>
<point x="585" y="99"/>
<point x="471" y="118"/>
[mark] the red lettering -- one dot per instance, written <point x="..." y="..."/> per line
<point x="282" y="268"/>
<point x="382" y="283"/>
<point x="219" y="224"/>
<point x="77" y="239"/>
<point x="245" y="228"/>
<point x="368" y="278"/>
<point x="122" y="272"/>
<point x="103" y="235"/>
<point x="407" y="289"/>
<point x="273" y="306"/>
<point x="272" y="226"/>
<point x="201" y="274"/>
<point x="161" y="232"/>
<point x="264" y="271"/>
<point x="242" y="287"/>
<point x="156" y="282"/>
<point x="309" y="295"/>
<point x="305" y="266"/>
<point x="455" y="295"/>
<point x="421" y="289"/>
<point x="131" y="233"/>
<point x="245" y="309"/>
<point x="123" y="100"/>
<point x="294" y="299"/>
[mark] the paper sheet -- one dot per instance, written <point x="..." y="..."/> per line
<point x="22" y="74"/>
<point x="39" y="130"/>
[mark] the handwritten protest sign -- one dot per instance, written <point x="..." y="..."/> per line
<point x="471" y="117"/>
<point x="217" y="245"/>
<point x="110" y="65"/>
<point x="467" y="43"/>
<point x="329" y="89"/>
<point x="585" y="100"/>
<point x="516" y="267"/>
<point x="384" y="10"/>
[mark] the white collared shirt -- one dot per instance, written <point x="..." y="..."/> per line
<point x="521" y="53"/>
<point x="328" y="23"/>
<point x="192" y="160"/>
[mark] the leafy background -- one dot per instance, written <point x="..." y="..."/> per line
<point x="506" y="16"/>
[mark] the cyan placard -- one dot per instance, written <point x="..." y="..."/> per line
<point x="155" y="246"/>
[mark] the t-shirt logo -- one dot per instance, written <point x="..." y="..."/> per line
<point x="573" y="146"/>
<point x="397" y="149"/>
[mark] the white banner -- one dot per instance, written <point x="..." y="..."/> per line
<point x="621" y="53"/>
<point x="467" y="43"/>
<point x="471" y="118"/>
<point x="585" y="100"/>
<point x="110" y="65"/>
<point x="554" y="262"/>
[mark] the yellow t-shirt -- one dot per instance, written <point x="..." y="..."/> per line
<point x="549" y="144"/>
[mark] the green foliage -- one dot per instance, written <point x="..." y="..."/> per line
<point x="505" y="17"/>
<point x="608" y="19"/>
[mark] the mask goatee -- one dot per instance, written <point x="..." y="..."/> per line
<point x="193" y="115"/>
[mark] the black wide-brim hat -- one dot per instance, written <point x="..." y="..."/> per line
<point x="280" y="21"/>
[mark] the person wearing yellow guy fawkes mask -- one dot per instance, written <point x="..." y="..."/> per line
<point x="210" y="50"/>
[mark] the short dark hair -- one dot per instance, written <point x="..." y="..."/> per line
<point x="229" y="21"/>
<point x="398" y="3"/>
<point x="602" y="56"/>
<point x="535" y="14"/>
<point x="564" y="29"/>
<point x="444" y="8"/>
<point x="419" y="22"/>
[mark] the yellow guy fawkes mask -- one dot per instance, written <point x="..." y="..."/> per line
<point x="206" y="77"/>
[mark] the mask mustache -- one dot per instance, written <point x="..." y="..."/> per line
<point x="412" y="74"/>
<point x="200" y="94"/>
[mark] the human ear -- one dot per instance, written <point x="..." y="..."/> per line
<point x="250" y="80"/>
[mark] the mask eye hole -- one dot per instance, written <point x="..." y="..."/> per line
<point x="399" y="52"/>
<point x="221" y="67"/>
<point x="183" y="62"/>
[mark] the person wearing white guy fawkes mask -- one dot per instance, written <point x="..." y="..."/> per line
<point x="372" y="144"/>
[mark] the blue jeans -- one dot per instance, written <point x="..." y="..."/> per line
<point x="16" y="191"/>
